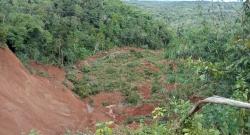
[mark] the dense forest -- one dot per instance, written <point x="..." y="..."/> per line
<point x="213" y="39"/>
<point x="186" y="50"/>
<point x="62" y="32"/>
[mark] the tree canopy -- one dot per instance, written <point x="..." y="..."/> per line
<point x="64" y="31"/>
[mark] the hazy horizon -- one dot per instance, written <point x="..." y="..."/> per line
<point x="192" y="0"/>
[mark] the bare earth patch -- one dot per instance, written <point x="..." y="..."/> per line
<point x="35" y="102"/>
<point x="145" y="89"/>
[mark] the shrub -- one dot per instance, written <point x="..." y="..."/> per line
<point x="132" y="97"/>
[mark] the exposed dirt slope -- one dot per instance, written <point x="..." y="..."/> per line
<point x="45" y="104"/>
<point x="33" y="102"/>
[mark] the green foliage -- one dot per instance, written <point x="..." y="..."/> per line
<point x="201" y="42"/>
<point x="227" y="119"/>
<point x="118" y="71"/>
<point x="64" y="31"/>
<point x="214" y="48"/>
<point x="3" y="34"/>
<point x="103" y="129"/>
<point x="246" y="25"/>
<point x="211" y="48"/>
<point x="33" y="132"/>
<point x="2" y="45"/>
<point x="69" y="132"/>
<point x="155" y="129"/>
<point x="132" y="97"/>
<point x="195" y="127"/>
<point x="158" y="112"/>
<point x="156" y="86"/>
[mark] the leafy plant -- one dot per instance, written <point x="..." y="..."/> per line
<point x="33" y="132"/>
<point x="103" y="129"/>
<point x="132" y="97"/>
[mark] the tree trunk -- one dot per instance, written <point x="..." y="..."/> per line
<point x="215" y="100"/>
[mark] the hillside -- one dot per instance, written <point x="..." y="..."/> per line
<point x="64" y="32"/>
<point x="34" y="102"/>
<point x="37" y="97"/>
<point x="112" y="67"/>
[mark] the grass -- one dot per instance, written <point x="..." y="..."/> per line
<point x="125" y="71"/>
<point x="35" y="71"/>
<point x="118" y="71"/>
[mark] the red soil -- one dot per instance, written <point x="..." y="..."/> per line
<point x="171" y="87"/>
<point x="170" y="63"/>
<point x="32" y="102"/>
<point x="134" y="125"/>
<point x="110" y="104"/>
<point x="55" y="73"/>
<point x="98" y="55"/>
<point x="142" y="110"/>
<point x="114" y="108"/>
<point x="90" y="59"/>
<point x="151" y="66"/>
<point x="195" y="98"/>
<point x="35" y="102"/>
<point x="105" y="99"/>
<point x="145" y="109"/>
<point x="145" y="90"/>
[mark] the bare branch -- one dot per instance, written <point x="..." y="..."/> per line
<point x="218" y="100"/>
<point x="215" y="100"/>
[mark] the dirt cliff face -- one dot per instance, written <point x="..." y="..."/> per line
<point x="29" y="101"/>
<point x="32" y="102"/>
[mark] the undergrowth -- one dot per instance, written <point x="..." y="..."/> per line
<point x="118" y="71"/>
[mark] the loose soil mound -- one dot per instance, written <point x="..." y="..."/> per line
<point x="33" y="102"/>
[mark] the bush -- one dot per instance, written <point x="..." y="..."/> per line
<point x="132" y="97"/>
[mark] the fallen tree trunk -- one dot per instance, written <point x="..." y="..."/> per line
<point x="215" y="100"/>
<point x="218" y="100"/>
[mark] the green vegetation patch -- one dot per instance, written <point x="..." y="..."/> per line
<point x="119" y="71"/>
